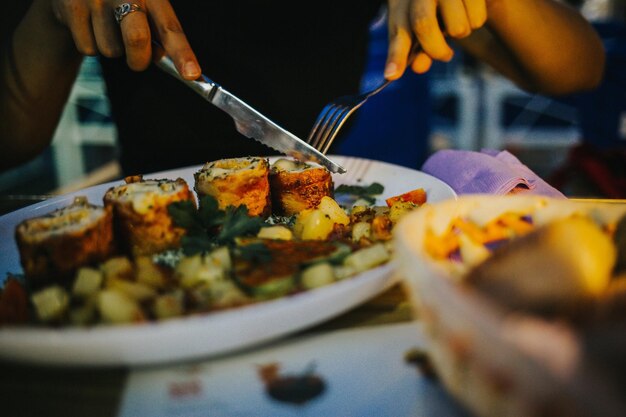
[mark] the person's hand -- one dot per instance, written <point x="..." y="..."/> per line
<point x="427" y="23"/>
<point x="95" y="30"/>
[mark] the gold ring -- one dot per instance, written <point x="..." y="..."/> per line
<point x="125" y="9"/>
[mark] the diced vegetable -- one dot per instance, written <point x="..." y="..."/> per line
<point x="367" y="258"/>
<point x="275" y="232"/>
<point x="88" y="281"/>
<point x="313" y="224"/>
<point x="148" y="273"/>
<point x="169" y="305"/>
<point x="417" y="196"/>
<point x="119" y="267"/>
<point x="333" y="210"/>
<point x="134" y="290"/>
<point x="50" y="303"/>
<point x="317" y="275"/>
<point x="116" y="307"/>
<point x="361" y="230"/>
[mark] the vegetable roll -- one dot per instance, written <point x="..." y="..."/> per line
<point x="52" y="247"/>
<point x="297" y="186"/>
<point x="142" y="222"/>
<point x="235" y="182"/>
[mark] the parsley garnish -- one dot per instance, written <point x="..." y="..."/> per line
<point x="365" y="192"/>
<point x="209" y="227"/>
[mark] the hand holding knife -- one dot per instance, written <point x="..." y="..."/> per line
<point x="248" y="121"/>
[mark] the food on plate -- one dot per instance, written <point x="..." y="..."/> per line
<point x="188" y="257"/>
<point x="235" y="182"/>
<point x="539" y="258"/>
<point x="142" y="223"/>
<point x="53" y="246"/>
<point x="555" y="268"/>
<point x="297" y="186"/>
<point x="417" y="196"/>
<point x="522" y="300"/>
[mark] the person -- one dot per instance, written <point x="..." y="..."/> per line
<point x="284" y="62"/>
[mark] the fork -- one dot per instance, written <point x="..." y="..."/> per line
<point x="334" y="114"/>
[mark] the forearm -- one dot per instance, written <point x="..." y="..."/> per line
<point x="542" y="45"/>
<point x="38" y="66"/>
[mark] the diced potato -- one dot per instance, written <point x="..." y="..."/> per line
<point x="135" y="290"/>
<point x="219" y="294"/>
<point x="367" y="258"/>
<point x="119" y="267"/>
<point x="317" y="275"/>
<point x="399" y="209"/>
<point x="116" y="307"/>
<point x="187" y="269"/>
<point x="227" y="294"/>
<point x="201" y="269"/>
<point x="149" y="273"/>
<point x="169" y="305"/>
<point x="344" y="271"/>
<point x="313" y="225"/>
<point x="88" y="281"/>
<point x="275" y="232"/>
<point x="361" y="230"/>
<point x="50" y="303"/>
<point x="220" y="258"/>
<point x="333" y="210"/>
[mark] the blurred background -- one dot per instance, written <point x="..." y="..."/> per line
<point x="576" y="143"/>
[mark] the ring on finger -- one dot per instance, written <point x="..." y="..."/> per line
<point x="125" y="9"/>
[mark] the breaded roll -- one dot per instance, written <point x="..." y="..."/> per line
<point x="296" y="186"/>
<point x="235" y="182"/>
<point x="143" y="225"/>
<point x="52" y="247"/>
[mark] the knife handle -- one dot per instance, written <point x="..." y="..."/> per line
<point x="203" y="85"/>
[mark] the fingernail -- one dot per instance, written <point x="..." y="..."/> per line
<point x="390" y="69"/>
<point x="191" y="69"/>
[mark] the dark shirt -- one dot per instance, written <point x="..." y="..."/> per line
<point x="284" y="59"/>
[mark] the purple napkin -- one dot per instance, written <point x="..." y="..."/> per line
<point x="486" y="172"/>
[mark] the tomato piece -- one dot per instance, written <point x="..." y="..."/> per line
<point x="417" y="196"/>
<point x="13" y="303"/>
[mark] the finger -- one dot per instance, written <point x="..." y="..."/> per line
<point x="106" y="31"/>
<point x="173" y="39"/>
<point x="76" y="16"/>
<point x="421" y="63"/>
<point x="425" y="25"/>
<point x="400" y="39"/>
<point x="476" y="13"/>
<point x="455" y="18"/>
<point x="136" y="38"/>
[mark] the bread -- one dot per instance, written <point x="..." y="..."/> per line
<point x="143" y="225"/>
<point x="296" y="186"/>
<point x="52" y="247"/>
<point x="235" y="182"/>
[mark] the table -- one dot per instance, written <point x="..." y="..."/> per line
<point x="29" y="390"/>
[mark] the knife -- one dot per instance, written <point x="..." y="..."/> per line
<point x="248" y="121"/>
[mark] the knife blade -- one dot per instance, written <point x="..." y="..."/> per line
<point x="248" y="121"/>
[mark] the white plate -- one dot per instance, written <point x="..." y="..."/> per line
<point x="214" y="333"/>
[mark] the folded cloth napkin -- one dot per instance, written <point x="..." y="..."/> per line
<point x="486" y="172"/>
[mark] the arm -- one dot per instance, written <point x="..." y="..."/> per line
<point x="40" y="59"/>
<point x="38" y="65"/>
<point x="542" y="45"/>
